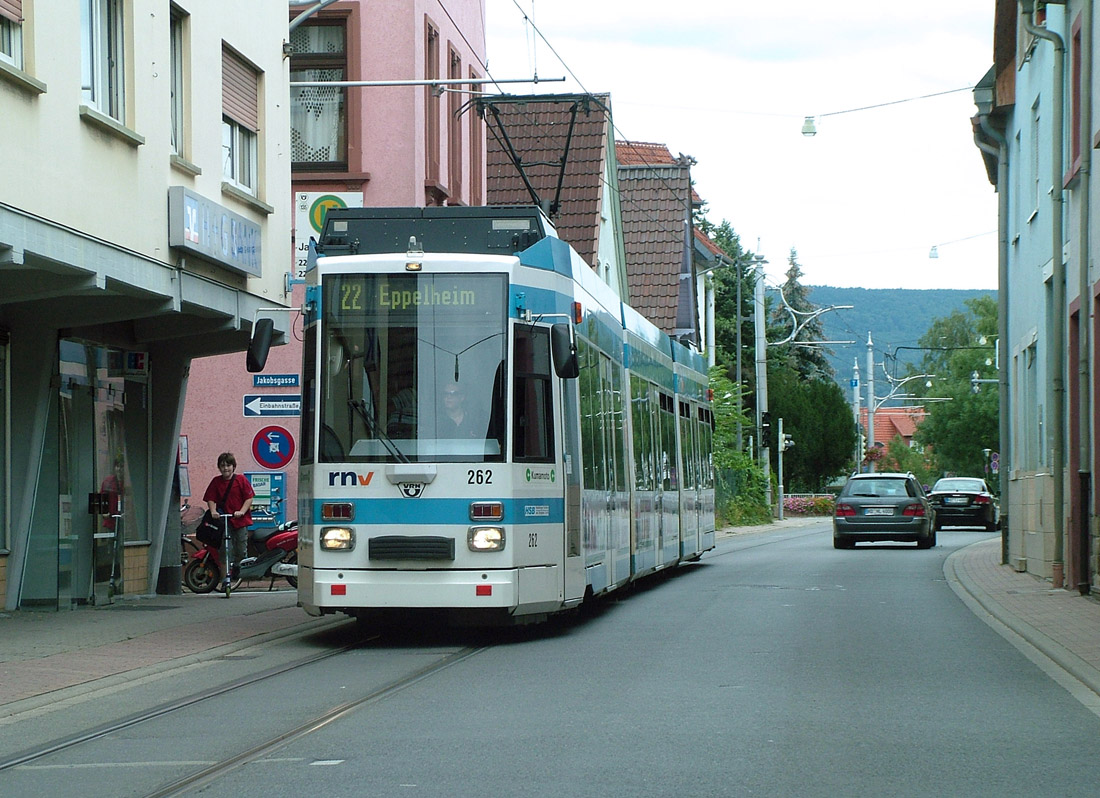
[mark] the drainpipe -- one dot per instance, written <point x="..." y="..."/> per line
<point x="1084" y="289"/>
<point x="984" y="99"/>
<point x="1056" y="351"/>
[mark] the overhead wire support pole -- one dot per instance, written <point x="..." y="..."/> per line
<point x="309" y="12"/>
<point x="294" y="84"/>
<point x="761" y="358"/>
<point x="797" y="326"/>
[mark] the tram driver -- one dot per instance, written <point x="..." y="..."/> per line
<point x="457" y="421"/>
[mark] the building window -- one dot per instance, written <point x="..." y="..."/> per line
<point x="318" y="114"/>
<point x="102" y="69"/>
<point x="1037" y="191"/>
<point x="11" y="32"/>
<point x="1075" y="98"/>
<point x="431" y="101"/>
<point x="240" y="122"/>
<point x="176" y="24"/>
<point x="454" y="127"/>
<point x="475" y="136"/>
<point x="238" y="155"/>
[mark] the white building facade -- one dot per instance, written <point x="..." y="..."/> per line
<point x="144" y="219"/>
<point x="1037" y="128"/>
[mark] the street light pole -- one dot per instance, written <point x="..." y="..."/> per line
<point x="740" y="384"/>
<point x="855" y="407"/>
<point x="761" y="356"/>
<point x="780" y="443"/>
<point x="870" y="400"/>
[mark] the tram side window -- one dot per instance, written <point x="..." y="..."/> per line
<point x="642" y="414"/>
<point x="533" y="419"/>
<point x="614" y="425"/>
<point x="706" y="448"/>
<point x="687" y="449"/>
<point x="668" y="443"/>
<point x="592" y="441"/>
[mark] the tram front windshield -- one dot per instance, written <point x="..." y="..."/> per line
<point x="413" y="368"/>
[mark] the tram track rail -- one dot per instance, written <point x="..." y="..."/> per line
<point x="209" y="773"/>
<point x="212" y="773"/>
<point x="103" y="730"/>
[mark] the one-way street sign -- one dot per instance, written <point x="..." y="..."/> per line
<point x="278" y="404"/>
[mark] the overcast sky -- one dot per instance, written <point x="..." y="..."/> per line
<point x="729" y="82"/>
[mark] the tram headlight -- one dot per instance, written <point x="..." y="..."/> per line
<point x="337" y="538"/>
<point x="485" y="538"/>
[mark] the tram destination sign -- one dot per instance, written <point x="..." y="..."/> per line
<point x="277" y="404"/>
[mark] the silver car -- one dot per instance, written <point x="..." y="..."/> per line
<point x="883" y="507"/>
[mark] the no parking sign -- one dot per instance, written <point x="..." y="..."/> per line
<point x="273" y="447"/>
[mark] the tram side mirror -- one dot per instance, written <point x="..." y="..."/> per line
<point x="564" y="350"/>
<point x="259" y="345"/>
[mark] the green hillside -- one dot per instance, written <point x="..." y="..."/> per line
<point x="895" y="317"/>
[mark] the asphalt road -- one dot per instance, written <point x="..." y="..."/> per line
<point x="775" y="666"/>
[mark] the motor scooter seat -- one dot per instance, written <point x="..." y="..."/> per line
<point x="261" y="535"/>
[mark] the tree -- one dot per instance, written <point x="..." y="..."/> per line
<point x="959" y="430"/>
<point x="739" y="481"/>
<point x="903" y="458"/>
<point x="817" y="416"/>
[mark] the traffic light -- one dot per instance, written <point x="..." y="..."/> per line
<point x="765" y="430"/>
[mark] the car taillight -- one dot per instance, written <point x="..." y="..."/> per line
<point x="982" y="500"/>
<point x="914" y="511"/>
<point x="843" y="510"/>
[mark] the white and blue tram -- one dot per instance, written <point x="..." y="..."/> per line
<point x="488" y="432"/>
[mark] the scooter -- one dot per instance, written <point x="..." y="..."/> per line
<point x="272" y="552"/>
<point x="277" y="554"/>
<point x="204" y="572"/>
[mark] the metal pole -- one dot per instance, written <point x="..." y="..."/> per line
<point x="779" y="457"/>
<point x="708" y="304"/>
<point x="347" y="84"/>
<point x="855" y="407"/>
<point x="740" y="384"/>
<point x="870" y="400"/>
<point x="761" y="378"/>
<point x="309" y="12"/>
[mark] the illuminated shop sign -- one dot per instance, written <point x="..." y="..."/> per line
<point x="211" y="231"/>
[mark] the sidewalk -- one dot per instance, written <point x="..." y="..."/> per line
<point x="44" y="655"/>
<point x="1062" y="624"/>
<point x="47" y="654"/>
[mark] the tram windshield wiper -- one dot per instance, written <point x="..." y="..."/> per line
<point x="360" y="407"/>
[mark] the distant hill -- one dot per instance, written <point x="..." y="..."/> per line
<point x="895" y="317"/>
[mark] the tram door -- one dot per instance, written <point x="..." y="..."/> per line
<point x="645" y="438"/>
<point x="689" y="522"/>
<point x="668" y="488"/>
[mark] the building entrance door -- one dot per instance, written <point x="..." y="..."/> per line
<point x="93" y="479"/>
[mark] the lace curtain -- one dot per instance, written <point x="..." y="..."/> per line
<point x="317" y="113"/>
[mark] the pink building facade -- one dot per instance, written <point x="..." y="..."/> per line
<point x="374" y="146"/>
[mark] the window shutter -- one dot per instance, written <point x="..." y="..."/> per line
<point x="240" y="90"/>
<point x="12" y="9"/>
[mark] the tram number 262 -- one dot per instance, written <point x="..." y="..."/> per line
<point x="479" y="476"/>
